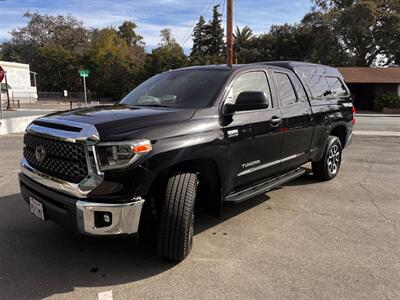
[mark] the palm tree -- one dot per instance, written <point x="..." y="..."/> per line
<point x="243" y="37"/>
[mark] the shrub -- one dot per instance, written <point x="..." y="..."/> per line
<point x="391" y="100"/>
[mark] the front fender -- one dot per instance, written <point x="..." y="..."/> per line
<point x="175" y="151"/>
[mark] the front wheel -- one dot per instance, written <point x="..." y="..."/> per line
<point x="175" y="236"/>
<point x="329" y="165"/>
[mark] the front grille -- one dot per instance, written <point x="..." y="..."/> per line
<point x="63" y="160"/>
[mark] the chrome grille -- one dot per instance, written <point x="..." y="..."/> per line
<point x="62" y="160"/>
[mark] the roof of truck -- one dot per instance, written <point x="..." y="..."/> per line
<point x="306" y="68"/>
<point x="295" y="66"/>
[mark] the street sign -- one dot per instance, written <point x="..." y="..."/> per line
<point x="2" y="74"/>
<point x="65" y="93"/>
<point x="84" y="73"/>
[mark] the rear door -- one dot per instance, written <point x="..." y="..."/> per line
<point x="297" y="125"/>
<point x="253" y="137"/>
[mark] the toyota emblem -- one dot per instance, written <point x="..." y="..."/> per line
<point x="40" y="153"/>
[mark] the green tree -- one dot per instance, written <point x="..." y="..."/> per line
<point x="116" y="67"/>
<point x="128" y="33"/>
<point x="367" y="30"/>
<point x="320" y="43"/>
<point x="208" y="40"/>
<point x="51" y="45"/>
<point x="199" y="40"/>
<point x="215" y="34"/>
<point x="58" y="66"/>
<point x="169" y="55"/>
<point x="243" y="37"/>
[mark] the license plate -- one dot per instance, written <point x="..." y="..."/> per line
<point x="36" y="208"/>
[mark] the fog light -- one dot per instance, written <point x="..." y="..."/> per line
<point x="107" y="218"/>
<point x="102" y="219"/>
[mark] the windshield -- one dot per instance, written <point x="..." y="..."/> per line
<point x="185" y="88"/>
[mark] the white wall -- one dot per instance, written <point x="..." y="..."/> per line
<point x="19" y="79"/>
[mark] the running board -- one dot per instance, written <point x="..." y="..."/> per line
<point x="263" y="187"/>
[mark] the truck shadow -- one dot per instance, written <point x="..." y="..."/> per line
<point x="39" y="259"/>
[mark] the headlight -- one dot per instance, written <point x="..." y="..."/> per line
<point x="121" y="154"/>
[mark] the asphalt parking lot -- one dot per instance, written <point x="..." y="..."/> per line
<point x="308" y="239"/>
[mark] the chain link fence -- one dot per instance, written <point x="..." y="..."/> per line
<point x="71" y="96"/>
<point x="25" y="97"/>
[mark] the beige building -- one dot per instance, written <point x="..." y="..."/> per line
<point x="21" y="82"/>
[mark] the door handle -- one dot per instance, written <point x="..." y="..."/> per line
<point x="276" y="120"/>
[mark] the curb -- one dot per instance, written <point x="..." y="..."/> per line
<point x="16" y="125"/>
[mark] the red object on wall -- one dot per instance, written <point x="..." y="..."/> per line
<point x="2" y="74"/>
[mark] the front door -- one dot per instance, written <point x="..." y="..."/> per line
<point x="253" y="137"/>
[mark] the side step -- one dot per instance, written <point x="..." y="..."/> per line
<point x="263" y="187"/>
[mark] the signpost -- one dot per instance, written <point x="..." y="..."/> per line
<point x="84" y="74"/>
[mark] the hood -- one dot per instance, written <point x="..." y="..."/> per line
<point x="115" y="121"/>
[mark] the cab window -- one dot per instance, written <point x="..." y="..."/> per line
<point x="249" y="82"/>
<point x="286" y="91"/>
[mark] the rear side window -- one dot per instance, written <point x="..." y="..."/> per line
<point x="318" y="85"/>
<point x="249" y="82"/>
<point x="285" y="89"/>
<point x="336" y="87"/>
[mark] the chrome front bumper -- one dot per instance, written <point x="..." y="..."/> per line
<point x="124" y="218"/>
<point x="120" y="218"/>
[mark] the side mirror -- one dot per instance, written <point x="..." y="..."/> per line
<point x="247" y="101"/>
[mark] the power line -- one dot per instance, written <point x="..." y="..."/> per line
<point x="191" y="29"/>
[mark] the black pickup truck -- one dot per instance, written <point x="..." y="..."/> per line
<point x="205" y="134"/>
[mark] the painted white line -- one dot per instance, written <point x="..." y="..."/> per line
<point x="107" y="295"/>
<point x="377" y="133"/>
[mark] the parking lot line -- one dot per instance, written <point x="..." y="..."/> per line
<point x="107" y="295"/>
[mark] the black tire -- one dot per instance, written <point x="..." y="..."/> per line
<point x="175" y="235"/>
<point x="328" y="166"/>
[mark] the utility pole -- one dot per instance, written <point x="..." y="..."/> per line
<point x="229" y="33"/>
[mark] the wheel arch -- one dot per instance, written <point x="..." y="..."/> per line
<point x="210" y="182"/>
<point x="340" y="131"/>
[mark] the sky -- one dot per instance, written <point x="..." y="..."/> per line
<point x="151" y="16"/>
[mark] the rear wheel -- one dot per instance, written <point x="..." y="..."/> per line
<point x="329" y="165"/>
<point x="175" y="235"/>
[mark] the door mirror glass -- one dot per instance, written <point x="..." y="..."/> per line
<point x="247" y="101"/>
